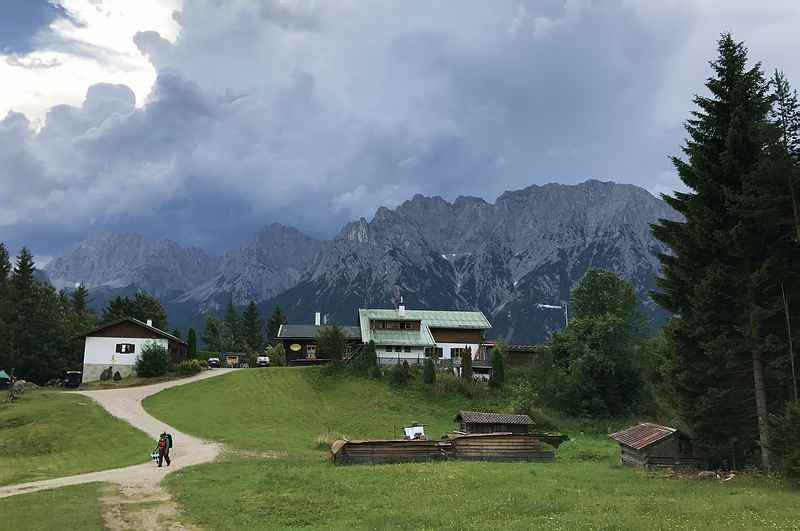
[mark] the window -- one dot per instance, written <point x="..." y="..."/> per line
<point x="311" y="351"/>
<point x="388" y="348"/>
<point x="126" y="348"/>
<point x="407" y="349"/>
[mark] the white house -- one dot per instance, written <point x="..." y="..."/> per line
<point x="118" y="345"/>
<point x="412" y="335"/>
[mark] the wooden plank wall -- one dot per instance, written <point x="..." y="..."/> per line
<point x="501" y="448"/>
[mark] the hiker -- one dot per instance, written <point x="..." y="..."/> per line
<point x="164" y="444"/>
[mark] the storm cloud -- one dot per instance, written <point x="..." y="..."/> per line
<point x="312" y="113"/>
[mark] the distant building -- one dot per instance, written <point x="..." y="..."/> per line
<point x="412" y="335"/>
<point x="119" y="343"/>
<point x="653" y="445"/>
<point x="300" y="341"/>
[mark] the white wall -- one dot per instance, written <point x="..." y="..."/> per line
<point x="102" y="350"/>
<point x="391" y="357"/>
<point x="447" y="346"/>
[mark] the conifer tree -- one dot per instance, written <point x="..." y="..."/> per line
<point x="276" y="319"/>
<point x="466" y="364"/>
<point x="80" y="300"/>
<point x="712" y="277"/>
<point x="252" y="327"/>
<point x="212" y="338"/>
<point x="231" y="329"/>
<point x="191" y="339"/>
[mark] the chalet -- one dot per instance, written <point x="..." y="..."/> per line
<point x="652" y="445"/>
<point x="119" y="343"/>
<point x="412" y="335"/>
<point x="300" y="341"/>
<point x="480" y="422"/>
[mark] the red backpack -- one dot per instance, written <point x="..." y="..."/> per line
<point x="162" y="443"/>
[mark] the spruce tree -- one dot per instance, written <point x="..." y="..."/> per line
<point x="80" y="300"/>
<point x="276" y="319"/>
<point x="252" y="327"/>
<point x="191" y="339"/>
<point x="231" y="329"/>
<point x="212" y="338"/>
<point x="466" y="365"/>
<point x="714" y="366"/>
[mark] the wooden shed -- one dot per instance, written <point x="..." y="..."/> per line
<point x="653" y="445"/>
<point x="481" y="422"/>
<point x="387" y="451"/>
<point x="499" y="447"/>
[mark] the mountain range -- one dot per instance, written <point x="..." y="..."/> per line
<point x="528" y="248"/>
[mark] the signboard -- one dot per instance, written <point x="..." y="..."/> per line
<point x="295" y="347"/>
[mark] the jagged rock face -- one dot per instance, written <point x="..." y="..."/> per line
<point x="120" y="260"/>
<point x="273" y="262"/>
<point x="530" y="247"/>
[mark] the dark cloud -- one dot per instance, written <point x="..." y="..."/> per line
<point x="313" y="113"/>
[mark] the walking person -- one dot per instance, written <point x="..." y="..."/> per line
<point x="164" y="445"/>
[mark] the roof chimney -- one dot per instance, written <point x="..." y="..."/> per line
<point x="149" y="322"/>
<point x="402" y="308"/>
<point x="317" y="319"/>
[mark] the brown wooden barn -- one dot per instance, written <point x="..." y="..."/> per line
<point x="499" y="447"/>
<point x="480" y="422"/>
<point x="376" y="452"/>
<point x="653" y="445"/>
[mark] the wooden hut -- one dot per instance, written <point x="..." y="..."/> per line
<point x="480" y="422"/>
<point x="499" y="447"/>
<point x="653" y="445"/>
<point x="387" y="451"/>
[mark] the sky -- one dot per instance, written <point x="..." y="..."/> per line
<point x="206" y="120"/>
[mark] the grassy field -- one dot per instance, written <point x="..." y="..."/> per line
<point x="286" y="410"/>
<point x="75" y="508"/>
<point x="47" y="434"/>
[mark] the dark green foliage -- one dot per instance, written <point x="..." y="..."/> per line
<point x="466" y="366"/>
<point x="400" y="374"/>
<point x="364" y="361"/>
<point x="153" y="361"/>
<point x="177" y="333"/>
<point x="429" y="371"/>
<point x="80" y="300"/>
<point x="277" y="355"/>
<point x="498" y="377"/>
<point x="142" y="306"/>
<point x="784" y="436"/>
<point x="375" y="373"/>
<point x="331" y="342"/>
<point x="253" y="328"/>
<point x="726" y="344"/>
<point x="189" y="367"/>
<point x="117" y="376"/>
<point x="592" y="367"/>
<point x="232" y="337"/>
<point x="212" y="338"/>
<point x="276" y="319"/>
<point x="191" y="339"/>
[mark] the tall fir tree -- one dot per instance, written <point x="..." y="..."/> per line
<point x="276" y="319"/>
<point x="231" y="329"/>
<point x="212" y="337"/>
<point x="80" y="300"/>
<point x="191" y="339"/>
<point x="5" y="308"/>
<point x="715" y="367"/>
<point x="253" y="327"/>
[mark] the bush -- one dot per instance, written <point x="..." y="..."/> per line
<point x="784" y="433"/>
<point x="375" y="373"/>
<point x="498" y="377"/>
<point x="117" y="376"/>
<point x="153" y="361"/>
<point x="189" y="367"/>
<point x="400" y="373"/>
<point x="429" y="372"/>
<point x="277" y="355"/>
<point x="106" y="374"/>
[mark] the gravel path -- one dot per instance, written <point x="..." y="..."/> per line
<point x="126" y="404"/>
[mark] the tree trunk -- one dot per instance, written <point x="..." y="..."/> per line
<point x="761" y="407"/>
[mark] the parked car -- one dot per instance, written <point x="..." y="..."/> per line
<point x="213" y="362"/>
<point x="73" y="379"/>
<point x="262" y="361"/>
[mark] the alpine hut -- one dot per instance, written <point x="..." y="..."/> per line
<point x="480" y="422"/>
<point x="653" y="445"/>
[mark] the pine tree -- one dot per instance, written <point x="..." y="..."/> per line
<point x="80" y="300"/>
<point x="191" y="339"/>
<point x="5" y="308"/>
<point x="498" y="377"/>
<point x="177" y="333"/>
<point x="466" y="365"/>
<point x="212" y="338"/>
<point x="231" y="329"/>
<point x="276" y="319"/>
<point x="252" y="327"/>
<point x="429" y="372"/>
<point x="713" y="364"/>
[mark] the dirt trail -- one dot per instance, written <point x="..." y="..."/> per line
<point x="139" y="484"/>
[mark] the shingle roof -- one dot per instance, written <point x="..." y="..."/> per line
<point x="479" y="417"/>
<point x="305" y="331"/>
<point x="642" y="435"/>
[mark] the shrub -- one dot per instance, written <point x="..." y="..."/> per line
<point x="153" y="361"/>
<point x="117" y="376"/>
<point x="375" y="372"/>
<point x="106" y="374"/>
<point x="277" y="355"/>
<point x="784" y="433"/>
<point x="498" y="377"/>
<point x="400" y="373"/>
<point x="429" y="371"/>
<point x="189" y="367"/>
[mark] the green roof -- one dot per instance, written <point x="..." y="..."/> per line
<point x="4" y="376"/>
<point x="428" y="318"/>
